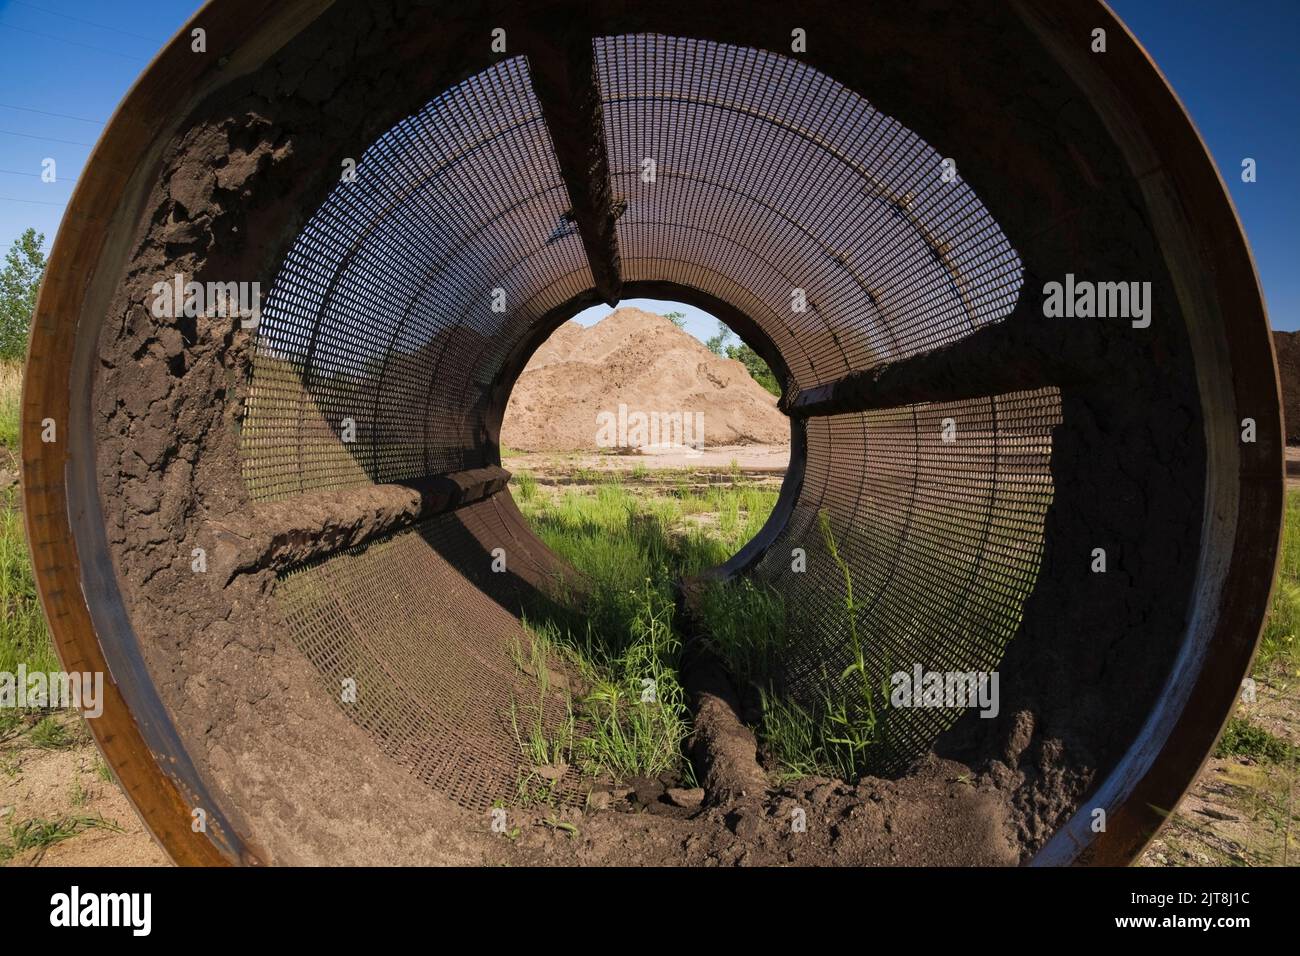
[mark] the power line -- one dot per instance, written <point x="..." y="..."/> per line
<point x="52" y="139"/>
<point x="28" y="109"/>
<point x="19" y="172"/>
<point x="35" y="202"/>
<point x="68" y="16"/>
<point x="86" y="46"/>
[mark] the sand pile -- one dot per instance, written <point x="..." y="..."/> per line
<point x="1288" y="367"/>
<point x="576" y="382"/>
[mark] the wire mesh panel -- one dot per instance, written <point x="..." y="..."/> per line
<point x="404" y="641"/>
<point x="747" y="176"/>
<point x="936" y="512"/>
<point x="404" y="294"/>
<point x="771" y="186"/>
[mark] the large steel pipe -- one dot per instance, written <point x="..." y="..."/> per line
<point x="900" y="204"/>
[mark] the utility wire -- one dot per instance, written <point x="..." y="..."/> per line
<point x="35" y="202"/>
<point x="92" y="23"/>
<point x="51" y="139"/>
<point x="28" y="109"/>
<point x="19" y="172"/>
<point x="86" y="46"/>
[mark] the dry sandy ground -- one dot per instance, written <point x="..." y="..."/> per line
<point x="1240" y="812"/>
<point x="40" y="784"/>
<point x="750" y="459"/>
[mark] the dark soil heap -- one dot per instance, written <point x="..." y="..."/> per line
<point x="1287" y="345"/>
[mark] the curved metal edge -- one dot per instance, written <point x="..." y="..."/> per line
<point x="134" y="733"/>
<point x="1209" y="256"/>
<point x="1139" y="787"/>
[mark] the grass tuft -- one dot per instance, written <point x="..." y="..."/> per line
<point x="40" y="833"/>
<point x="1241" y="738"/>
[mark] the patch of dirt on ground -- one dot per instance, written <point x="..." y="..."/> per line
<point x="814" y="822"/>
<point x="643" y="361"/>
<point x="761" y="466"/>
<point x="752" y="460"/>
<point x="67" y="784"/>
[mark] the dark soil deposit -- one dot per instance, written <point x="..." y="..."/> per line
<point x="299" y="562"/>
<point x="1287" y="345"/>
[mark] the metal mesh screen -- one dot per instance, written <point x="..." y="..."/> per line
<point x="938" y="511"/>
<point x="403" y="295"/>
<point x="440" y="675"/>
<point x="768" y="177"/>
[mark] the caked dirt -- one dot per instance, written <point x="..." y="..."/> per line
<point x="644" y="362"/>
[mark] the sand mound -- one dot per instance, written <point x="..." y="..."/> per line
<point x="645" y="363"/>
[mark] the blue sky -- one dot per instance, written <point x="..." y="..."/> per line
<point x="65" y="64"/>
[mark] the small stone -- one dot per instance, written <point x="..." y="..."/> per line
<point x="744" y="824"/>
<point x="647" y="791"/>
<point x="599" y="800"/>
<point x="686" y="799"/>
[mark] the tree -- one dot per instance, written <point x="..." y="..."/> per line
<point x="19" y="281"/>
<point x="717" y="344"/>
<point x="720" y="344"/>
<point x="677" y="318"/>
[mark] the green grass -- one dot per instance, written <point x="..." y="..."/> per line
<point x="11" y="393"/>
<point x="745" y="626"/>
<point x="525" y="485"/>
<point x="24" y="638"/>
<point x="1241" y="738"/>
<point x="50" y="733"/>
<point x="631" y="548"/>
<point x="624" y="641"/>
<point x="840" y="731"/>
<point x="623" y="635"/>
<point x="1279" y="647"/>
<point x="40" y="833"/>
